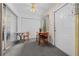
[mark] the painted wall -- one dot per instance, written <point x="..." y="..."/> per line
<point x="65" y="29"/>
<point x="1" y="29"/>
<point x="51" y="21"/>
<point x="30" y="25"/>
<point x="51" y="26"/>
<point x="19" y="24"/>
<point x="10" y="24"/>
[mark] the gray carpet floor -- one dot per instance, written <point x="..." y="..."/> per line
<point x="33" y="49"/>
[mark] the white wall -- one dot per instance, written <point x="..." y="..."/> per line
<point x="65" y="32"/>
<point x="10" y="5"/>
<point x="29" y="25"/>
<point x="51" y="26"/>
<point x="19" y="24"/>
<point x="10" y="24"/>
<point x="51" y="21"/>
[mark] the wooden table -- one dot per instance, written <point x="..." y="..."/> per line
<point x="43" y="38"/>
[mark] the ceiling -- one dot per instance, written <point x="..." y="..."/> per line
<point x="25" y="9"/>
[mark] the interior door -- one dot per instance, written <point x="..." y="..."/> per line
<point x="65" y="29"/>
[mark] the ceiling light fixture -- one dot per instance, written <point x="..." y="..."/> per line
<point x="33" y="7"/>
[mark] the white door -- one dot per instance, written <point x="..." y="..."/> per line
<point x="65" y="29"/>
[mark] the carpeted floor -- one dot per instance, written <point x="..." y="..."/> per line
<point x="32" y="49"/>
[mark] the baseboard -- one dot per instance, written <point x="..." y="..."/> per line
<point x="62" y="51"/>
